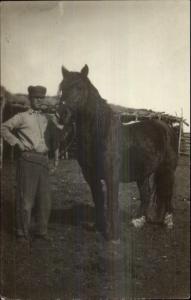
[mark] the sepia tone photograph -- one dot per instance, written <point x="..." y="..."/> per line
<point x="95" y="150"/>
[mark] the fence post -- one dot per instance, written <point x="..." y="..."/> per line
<point x="2" y="104"/>
<point x="180" y="132"/>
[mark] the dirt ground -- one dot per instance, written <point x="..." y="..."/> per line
<point x="150" y="263"/>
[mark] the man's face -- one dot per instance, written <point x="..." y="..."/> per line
<point x="36" y="103"/>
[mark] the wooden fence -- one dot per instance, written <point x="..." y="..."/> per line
<point x="185" y="144"/>
<point x="2" y="104"/>
<point x="18" y="102"/>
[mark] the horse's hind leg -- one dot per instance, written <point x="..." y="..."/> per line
<point x="165" y="183"/>
<point x="147" y="190"/>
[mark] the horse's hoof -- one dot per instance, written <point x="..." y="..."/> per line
<point x="168" y="221"/>
<point x="89" y="226"/>
<point x="112" y="249"/>
<point x="139" y="222"/>
<point x="116" y="242"/>
<point x="170" y="226"/>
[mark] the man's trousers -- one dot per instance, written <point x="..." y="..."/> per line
<point x="32" y="191"/>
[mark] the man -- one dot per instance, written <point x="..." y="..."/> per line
<point x="30" y="132"/>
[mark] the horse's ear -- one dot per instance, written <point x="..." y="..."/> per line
<point x="84" y="71"/>
<point x="65" y="72"/>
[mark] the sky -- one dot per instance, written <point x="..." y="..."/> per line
<point x="138" y="52"/>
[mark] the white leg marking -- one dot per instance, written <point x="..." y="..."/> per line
<point x="103" y="185"/>
<point x="139" y="222"/>
<point x="168" y="221"/>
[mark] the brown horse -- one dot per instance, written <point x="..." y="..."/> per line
<point x="108" y="152"/>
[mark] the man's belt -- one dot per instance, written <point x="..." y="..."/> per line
<point x="35" y="157"/>
<point x="36" y="153"/>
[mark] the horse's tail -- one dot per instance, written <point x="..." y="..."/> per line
<point x="173" y="134"/>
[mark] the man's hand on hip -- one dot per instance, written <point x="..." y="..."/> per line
<point x="20" y="146"/>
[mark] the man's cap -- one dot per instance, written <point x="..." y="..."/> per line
<point x="37" y="91"/>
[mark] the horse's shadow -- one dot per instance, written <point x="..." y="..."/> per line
<point x="84" y="215"/>
<point x="74" y="216"/>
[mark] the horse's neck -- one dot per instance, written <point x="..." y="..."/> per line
<point x="95" y="112"/>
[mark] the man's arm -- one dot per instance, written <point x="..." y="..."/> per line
<point x="54" y="134"/>
<point x="56" y="157"/>
<point x="6" y="130"/>
<point x="53" y="118"/>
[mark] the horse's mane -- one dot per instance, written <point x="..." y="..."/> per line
<point x="95" y="97"/>
<point x="98" y="111"/>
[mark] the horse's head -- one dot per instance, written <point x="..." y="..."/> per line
<point x="77" y="94"/>
<point x="74" y="88"/>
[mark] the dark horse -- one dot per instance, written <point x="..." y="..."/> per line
<point x="108" y="152"/>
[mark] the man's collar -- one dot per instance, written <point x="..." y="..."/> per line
<point x="32" y="111"/>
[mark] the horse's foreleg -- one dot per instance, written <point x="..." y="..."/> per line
<point x="113" y="226"/>
<point x="105" y="196"/>
<point x="99" y="190"/>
